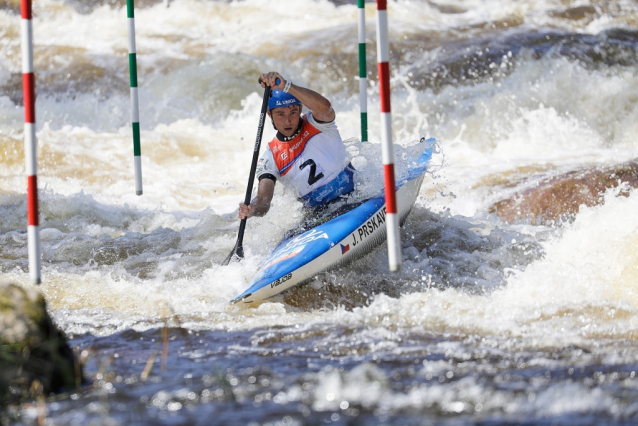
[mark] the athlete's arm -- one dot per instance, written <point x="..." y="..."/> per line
<point x="320" y="106"/>
<point x="260" y="205"/>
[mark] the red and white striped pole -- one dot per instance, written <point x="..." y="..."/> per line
<point x="392" y="218"/>
<point x="28" y="85"/>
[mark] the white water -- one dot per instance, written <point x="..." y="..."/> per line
<point x="193" y="162"/>
<point x="114" y="261"/>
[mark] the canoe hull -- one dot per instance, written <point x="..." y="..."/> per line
<point x="335" y="243"/>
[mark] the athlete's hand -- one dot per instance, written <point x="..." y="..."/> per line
<point x="245" y="211"/>
<point x="270" y="79"/>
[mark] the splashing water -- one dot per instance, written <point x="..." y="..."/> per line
<point x="488" y="322"/>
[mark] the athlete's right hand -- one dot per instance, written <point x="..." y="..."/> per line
<point x="272" y="79"/>
<point x="245" y="211"/>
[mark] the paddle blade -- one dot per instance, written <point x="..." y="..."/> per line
<point x="236" y="254"/>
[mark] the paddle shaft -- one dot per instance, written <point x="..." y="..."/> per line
<point x="239" y="250"/>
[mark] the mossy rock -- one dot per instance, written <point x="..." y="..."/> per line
<point x="31" y="346"/>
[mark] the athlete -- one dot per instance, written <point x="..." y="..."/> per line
<point x="307" y="154"/>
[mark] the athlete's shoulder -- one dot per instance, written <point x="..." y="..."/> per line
<point x="266" y="164"/>
<point x="311" y="119"/>
<point x="329" y="128"/>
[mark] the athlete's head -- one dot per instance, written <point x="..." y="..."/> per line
<point x="284" y="110"/>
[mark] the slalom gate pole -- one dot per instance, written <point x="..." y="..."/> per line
<point x="392" y="218"/>
<point x="135" y="107"/>
<point x="363" y="77"/>
<point x="30" y="145"/>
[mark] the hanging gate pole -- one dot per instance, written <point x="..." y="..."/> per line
<point x="135" y="107"/>
<point x="363" y="77"/>
<point x="392" y="218"/>
<point x="30" y="145"/>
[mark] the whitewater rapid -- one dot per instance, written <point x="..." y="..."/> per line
<point x="488" y="319"/>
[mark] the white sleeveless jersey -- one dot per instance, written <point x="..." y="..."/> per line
<point x="309" y="161"/>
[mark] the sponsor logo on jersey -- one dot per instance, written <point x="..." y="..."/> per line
<point x="303" y="138"/>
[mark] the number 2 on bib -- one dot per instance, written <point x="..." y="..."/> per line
<point x="312" y="177"/>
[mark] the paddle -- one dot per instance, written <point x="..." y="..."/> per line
<point x="238" y="250"/>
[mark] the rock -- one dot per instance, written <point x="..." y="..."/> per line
<point x="561" y="196"/>
<point x="31" y="347"/>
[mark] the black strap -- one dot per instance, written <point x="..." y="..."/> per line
<point x="267" y="176"/>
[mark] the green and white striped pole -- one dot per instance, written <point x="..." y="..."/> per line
<point x="135" y="107"/>
<point x="363" y="78"/>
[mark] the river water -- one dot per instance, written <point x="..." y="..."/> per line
<point x="491" y="321"/>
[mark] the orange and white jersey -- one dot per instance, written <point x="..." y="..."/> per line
<point x="313" y="158"/>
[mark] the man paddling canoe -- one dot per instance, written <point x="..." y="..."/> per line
<point x="307" y="154"/>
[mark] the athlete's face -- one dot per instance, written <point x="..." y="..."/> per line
<point x="286" y="119"/>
